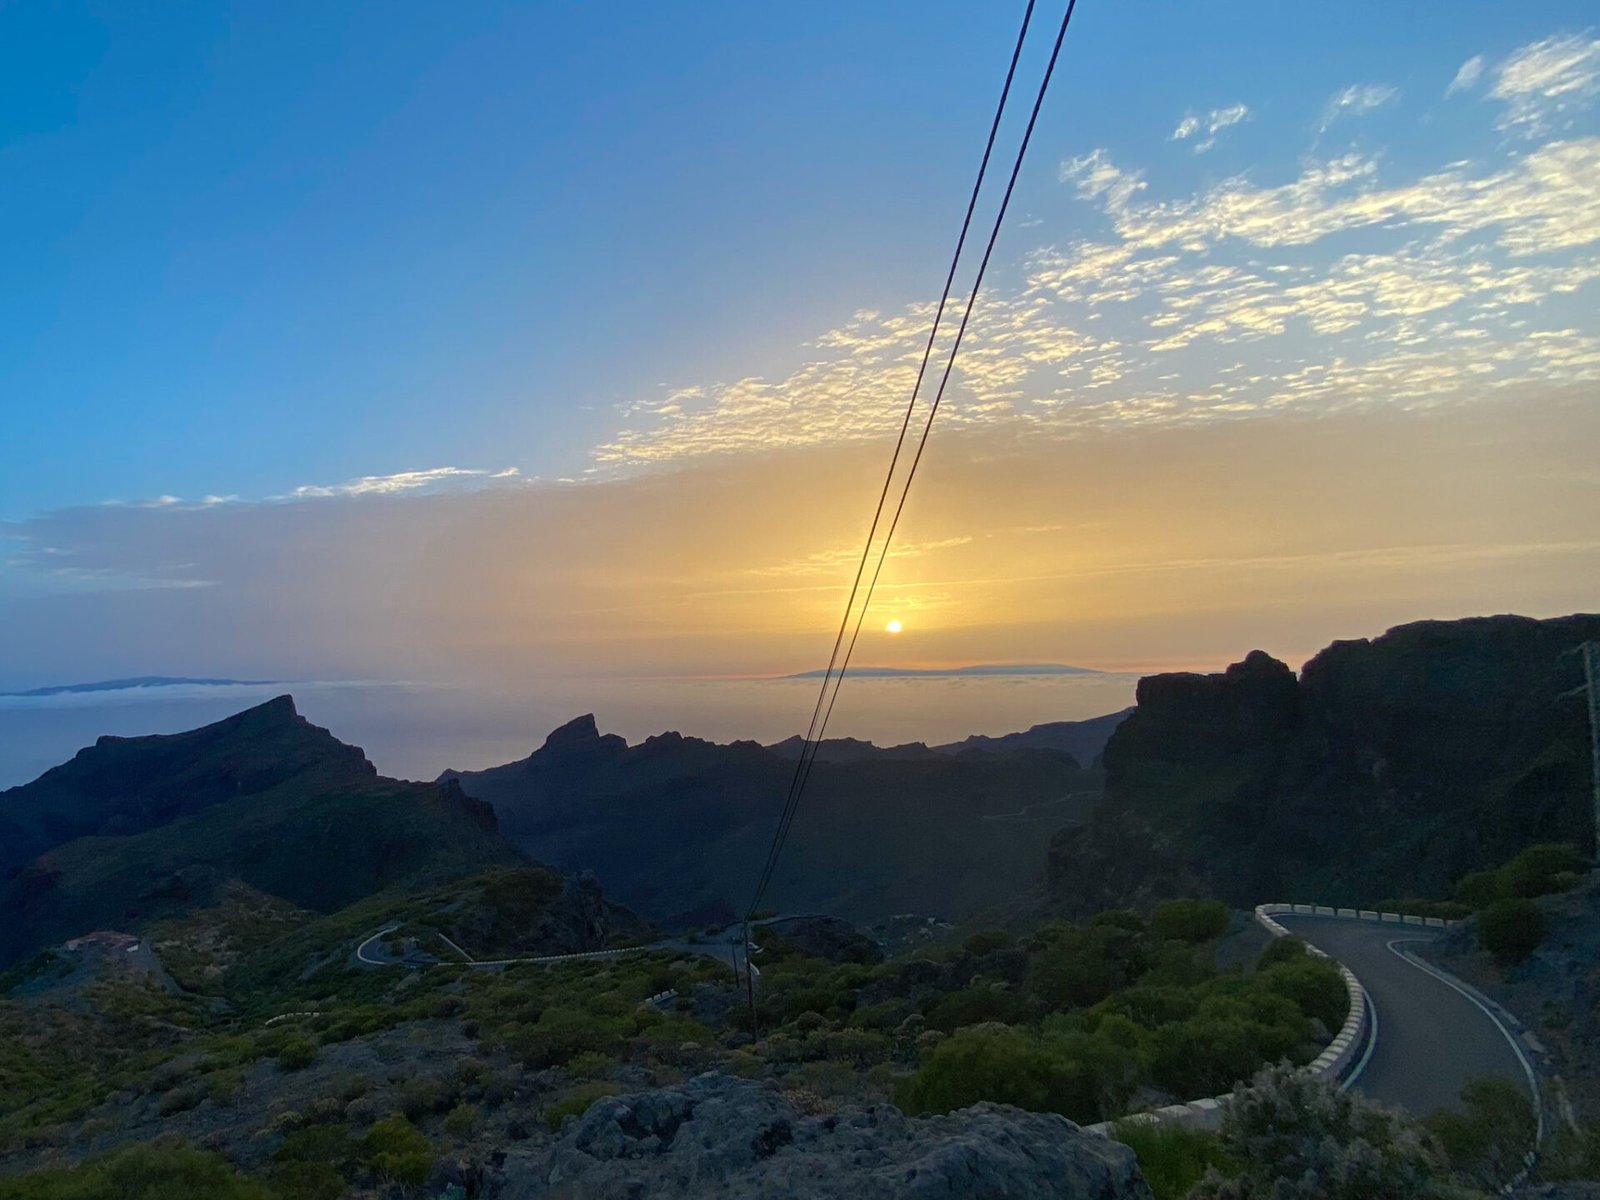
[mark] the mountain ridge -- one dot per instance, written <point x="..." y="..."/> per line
<point x="131" y="829"/>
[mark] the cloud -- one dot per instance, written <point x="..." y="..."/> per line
<point x="401" y="481"/>
<point x="1544" y="84"/>
<point x="1441" y="287"/>
<point x="1467" y="76"/>
<point x="1212" y="124"/>
<point x="1096" y="177"/>
<point x="1547" y="200"/>
<point x="1355" y="101"/>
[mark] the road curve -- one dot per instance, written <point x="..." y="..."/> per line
<point x="1431" y="1038"/>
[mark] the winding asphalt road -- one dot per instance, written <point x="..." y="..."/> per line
<point x="1431" y="1038"/>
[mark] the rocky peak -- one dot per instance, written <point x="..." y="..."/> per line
<point x="579" y="736"/>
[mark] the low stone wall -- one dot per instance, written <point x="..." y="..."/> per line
<point x="1334" y="1061"/>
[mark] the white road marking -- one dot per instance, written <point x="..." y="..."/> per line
<point x="1372" y="1042"/>
<point x="1527" y="1067"/>
<point x="361" y="950"/>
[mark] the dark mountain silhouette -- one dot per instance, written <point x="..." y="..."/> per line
<point x="133" y="828"/>
<point x="1389" y="767"/>
<point x="845" y="750"/>
<point x="122" y="786"/>
<point x="677" y="828"/>
<point x="1084" y="740"/>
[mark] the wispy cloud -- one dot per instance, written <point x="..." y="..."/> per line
<point x="1209" y="126"/>
<point x="1355" y="101"/>
<point x="1466" y="76"/>
<point x="404" y="481"/>
<point x="1544" y="84"/>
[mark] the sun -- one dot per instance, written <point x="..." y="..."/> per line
<point x="894" y="625"/>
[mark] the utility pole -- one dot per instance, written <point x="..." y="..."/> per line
<point x="1591" y="677"/>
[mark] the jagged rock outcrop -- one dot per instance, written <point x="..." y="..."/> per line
<point x="717" y="1138"/>
<point x="1390" y="767"/>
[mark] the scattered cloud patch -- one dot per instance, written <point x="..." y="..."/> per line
<point x="1355" y="101"/>
<point x="1544" y="84"/>
<point x="1209" y="126"/>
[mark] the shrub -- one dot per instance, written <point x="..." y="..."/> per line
<point x="1192" y="921"/>
<point x="1537" y="870"/>
<point x="1480" y="889"/>
<point x="225" y="1087"/>
<point x="1511" y="929"/>
<point x="882" y="1017"/>
<point x="1287" y="1126"/>
<point x="1171" y="1158"/>
<point x="141" y="1172"/>
<point x="308" y="1181"/>
<point x="296" y="1053"/>
<point x="1314" y="985"/>
<point x="1542" y="869"/>
<point x="1080" y="967"/>
<point x="591" y="1064"/>
<point x="974" y="1006"/>
<point x="426" y="1094"/>
<point x="397" y="1150"/>
<point x="1001" y="1064"/>
<point x="1282" y="950"/>
<point x="857" y="1047"/>
<point x="987" y="941"/>
<point x="180" y="1099"/>
<point x="461" y="1119"/>
<point x="1487" y="1140"/>
<point x="331" y="1144"/>
<point x="1120" y="918"/>
<point x="1207" y="1054"/>
<point x="563" y="1033"/>
<point x="577" y="1102"/>
<point x="1571" y="1154"/>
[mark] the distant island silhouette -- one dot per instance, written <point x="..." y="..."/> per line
<point x="140" y="681"/>
<point x="981" y="669"/>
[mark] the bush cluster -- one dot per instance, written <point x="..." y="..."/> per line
<point x="1511" y="929"/>
<point x="1539" y="870"/>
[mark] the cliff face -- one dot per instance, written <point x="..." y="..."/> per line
<point x="1391" y="766"/>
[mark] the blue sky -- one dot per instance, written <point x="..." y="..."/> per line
<point x="419" y="341"/>
<point x="255" y="247"/>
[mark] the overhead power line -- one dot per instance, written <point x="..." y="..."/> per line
<point x="795" y="782"/>
<point x="837" y="664"/>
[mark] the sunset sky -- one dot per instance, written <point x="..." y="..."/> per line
<point x="530" y="343"/>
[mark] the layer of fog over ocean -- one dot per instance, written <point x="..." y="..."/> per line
<point x="414" y="731"/>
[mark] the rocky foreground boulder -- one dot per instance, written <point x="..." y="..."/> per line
<point x="720" y="1137"/>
